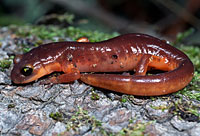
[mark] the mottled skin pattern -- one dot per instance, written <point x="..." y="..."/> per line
<point x="138" y="52"/>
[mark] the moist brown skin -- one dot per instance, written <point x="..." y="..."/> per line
<point x="138" y="52"/>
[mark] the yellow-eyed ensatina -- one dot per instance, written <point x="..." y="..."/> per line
<point x="138" y="52"/>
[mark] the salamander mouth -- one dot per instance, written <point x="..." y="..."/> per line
<point x="21" y="79"/>
<point x="18" y="79"/>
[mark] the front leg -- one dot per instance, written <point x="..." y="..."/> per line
<point x="70" y="74"/>
<point x="64" y="78"/>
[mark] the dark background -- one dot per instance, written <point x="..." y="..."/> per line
<point x="160" y="17"/>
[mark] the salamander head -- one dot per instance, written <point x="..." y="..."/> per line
<point x="27" y="68"/>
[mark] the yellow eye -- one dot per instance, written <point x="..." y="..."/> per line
<point x="27" y="70"/>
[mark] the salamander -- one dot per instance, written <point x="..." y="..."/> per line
<point x="129" y="52"/>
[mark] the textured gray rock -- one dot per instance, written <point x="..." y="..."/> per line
<point x="4" y="79"/>
<point x="8" y="119"/>
<point x="182" y="125"/>
<point x="195" y="131"/>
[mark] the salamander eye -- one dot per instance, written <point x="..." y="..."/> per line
<point x="27" y="70"/>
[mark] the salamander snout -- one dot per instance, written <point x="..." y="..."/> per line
<point x="20" y="74"/>
<point x="26" y="69"/>
<point x="26" y="74"/>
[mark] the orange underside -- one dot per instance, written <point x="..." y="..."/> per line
<point x="161" y="64"/>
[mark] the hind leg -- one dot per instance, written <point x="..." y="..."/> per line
<point x="143" y="64"/>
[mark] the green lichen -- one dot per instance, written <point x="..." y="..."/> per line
<point x="186" y="110"/>
<point x="10" y="106"/>
<point x="123" y="100"/>
<point x="53" y="33"/>
<point x="26" y="49"/>
<point x="192" y="91"/>
<point x="94" y="95"/>
<point x="56" y="116"/>
<point x="6" y="62"/>
<point x="81" y="118"/>
<point x="161" y="107"/>
<point x="137" y="129"/>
